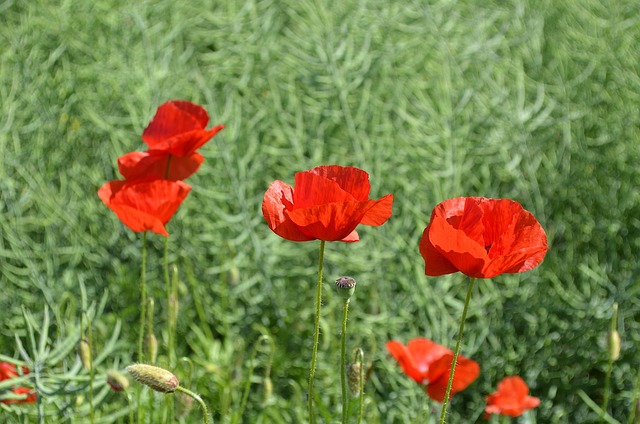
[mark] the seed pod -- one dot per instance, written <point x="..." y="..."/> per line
<point x="157" y="378"/>
<point x="84" y="352"/>
<point x="117" y="381"/>
<point x="346" y="286"/>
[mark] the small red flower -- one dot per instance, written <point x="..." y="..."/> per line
<point x="512" y="398"/>
<point x="326" y="203"/>
<point x="144" y="205"/>
<point x="9" y="371"/>
<point x="429" y="364"/>
<point x="154" y="164"/>
<point x="178" y="128"/>
<point x="482" y="238"/>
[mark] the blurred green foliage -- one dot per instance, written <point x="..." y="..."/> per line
<point x="535" y="100"/>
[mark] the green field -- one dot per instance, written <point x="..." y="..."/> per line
<point x="537" y="101"/>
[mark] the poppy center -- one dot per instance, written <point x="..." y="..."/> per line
<point x="487" y="247"/>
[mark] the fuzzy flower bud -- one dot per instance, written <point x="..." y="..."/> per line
<point x="158" y="379"/>
<point x="117" y="381"/>
<point x="353" y="378"/>
<point x="346" y="286"/>
<point x="84" y="351"/>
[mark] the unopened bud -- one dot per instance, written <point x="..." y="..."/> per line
<point x="353" y="378"/>
<point x="84" y="352"/>
<point x="151" y="347"/>
<point x="117" y="381"/>
<point x="614" y="345"/>
<point x="158" y="379"/>
<point x="346" y="286"/>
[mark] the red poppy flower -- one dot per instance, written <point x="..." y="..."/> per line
<point x="144" y="205"/>
<point x="178" y="128"/>
<point x="482" y="238"/>
<point x="429" y="364"/>
<point x="326" y="203"/>
<point x="8" y="371"/>
<point x="158" y="164"/>
<point x="512" y="398"/>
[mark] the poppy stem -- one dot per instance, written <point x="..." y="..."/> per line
<point x="443" y="414"/>
<point x="343" y="362"/>
<point x="143" y="317"/>
<point x="316" y="334"/>
<point x="206" y="419"/>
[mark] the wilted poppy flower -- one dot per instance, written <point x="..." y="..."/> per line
<point x="178" y="128"/>
<point x="326" y="203"/>
<point x="429" y="364"/>
<point x="144" y="205"/>
<point x="9" y="371"/>
<point x="157" y="164"/>
<point x="482" y="238"/>
<point x="512" y="398"/>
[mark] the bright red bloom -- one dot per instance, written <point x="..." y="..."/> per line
<point x="429" y="364"/>
<point x="144" y="205"/>
<point x="9" y="371"/>
<point x="158" y="164"/>
<point x="512" y="398"/>
<point x="482" y="238"/>
<point x="178" y="128"/>
<point x="326" y="203"/>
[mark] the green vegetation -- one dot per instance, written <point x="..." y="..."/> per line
<point x="538" y="101"/>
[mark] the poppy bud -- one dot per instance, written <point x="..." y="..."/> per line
<point x="117" y="381"/>
<point x="158" y="379"/>
<point x="346" y="287"/>
<point x="151" y="347"/>
<point x="84" y="351"/>
<point x="353" y="378"/>
<point x="614" y="345"/>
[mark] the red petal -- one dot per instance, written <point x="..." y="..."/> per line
<point x="313" y="190"/>
<point x="277" y="199"/>
<point x="154" y="164"/>
<point x="354" y="181"/>
<point x="329" y="222"/>
<point x="464" y="253"/>
<point x="406" y="361"/>
<point x="467" y="370"/>
<point x="379" y="212"/>
<point x="144" y="205"/>
<point x="173" y="118"/>
<point x="435" y="263"/>
<point x="511" y="398"/>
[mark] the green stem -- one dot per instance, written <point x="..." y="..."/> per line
<point x="143" y="316"/>
<point x="343" y="362"/>
<point x="443" y="414"/>
<point x="316" y="334"/>
<point x="360" y="358"/>
<point x="634" y="400"/>
<point x="91" y="372"/>
<point x="607" y="376"/>
<point x="205" y="412"/>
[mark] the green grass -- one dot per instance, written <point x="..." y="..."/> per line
<point x="538" y="101"/>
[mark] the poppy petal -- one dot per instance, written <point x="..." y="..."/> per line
<point x="467" y="370"/>
<point x="154" y="164"/>
<point x="425" y="352"/>
<point x="511" y="399"/>
<point x="350" y="179"/>
<point x="401" y="353"/>
<point x="314" y="190"/>
<point x="435" y="264"/>
<point x="463" y="252"/>
<point x="379" y="212"/>
<point x="278" y="198"/>
<point x="173" y="118"/>
<point x="330" y="222"/>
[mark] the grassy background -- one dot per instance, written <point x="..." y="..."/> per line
<point x="532" y="100"/>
